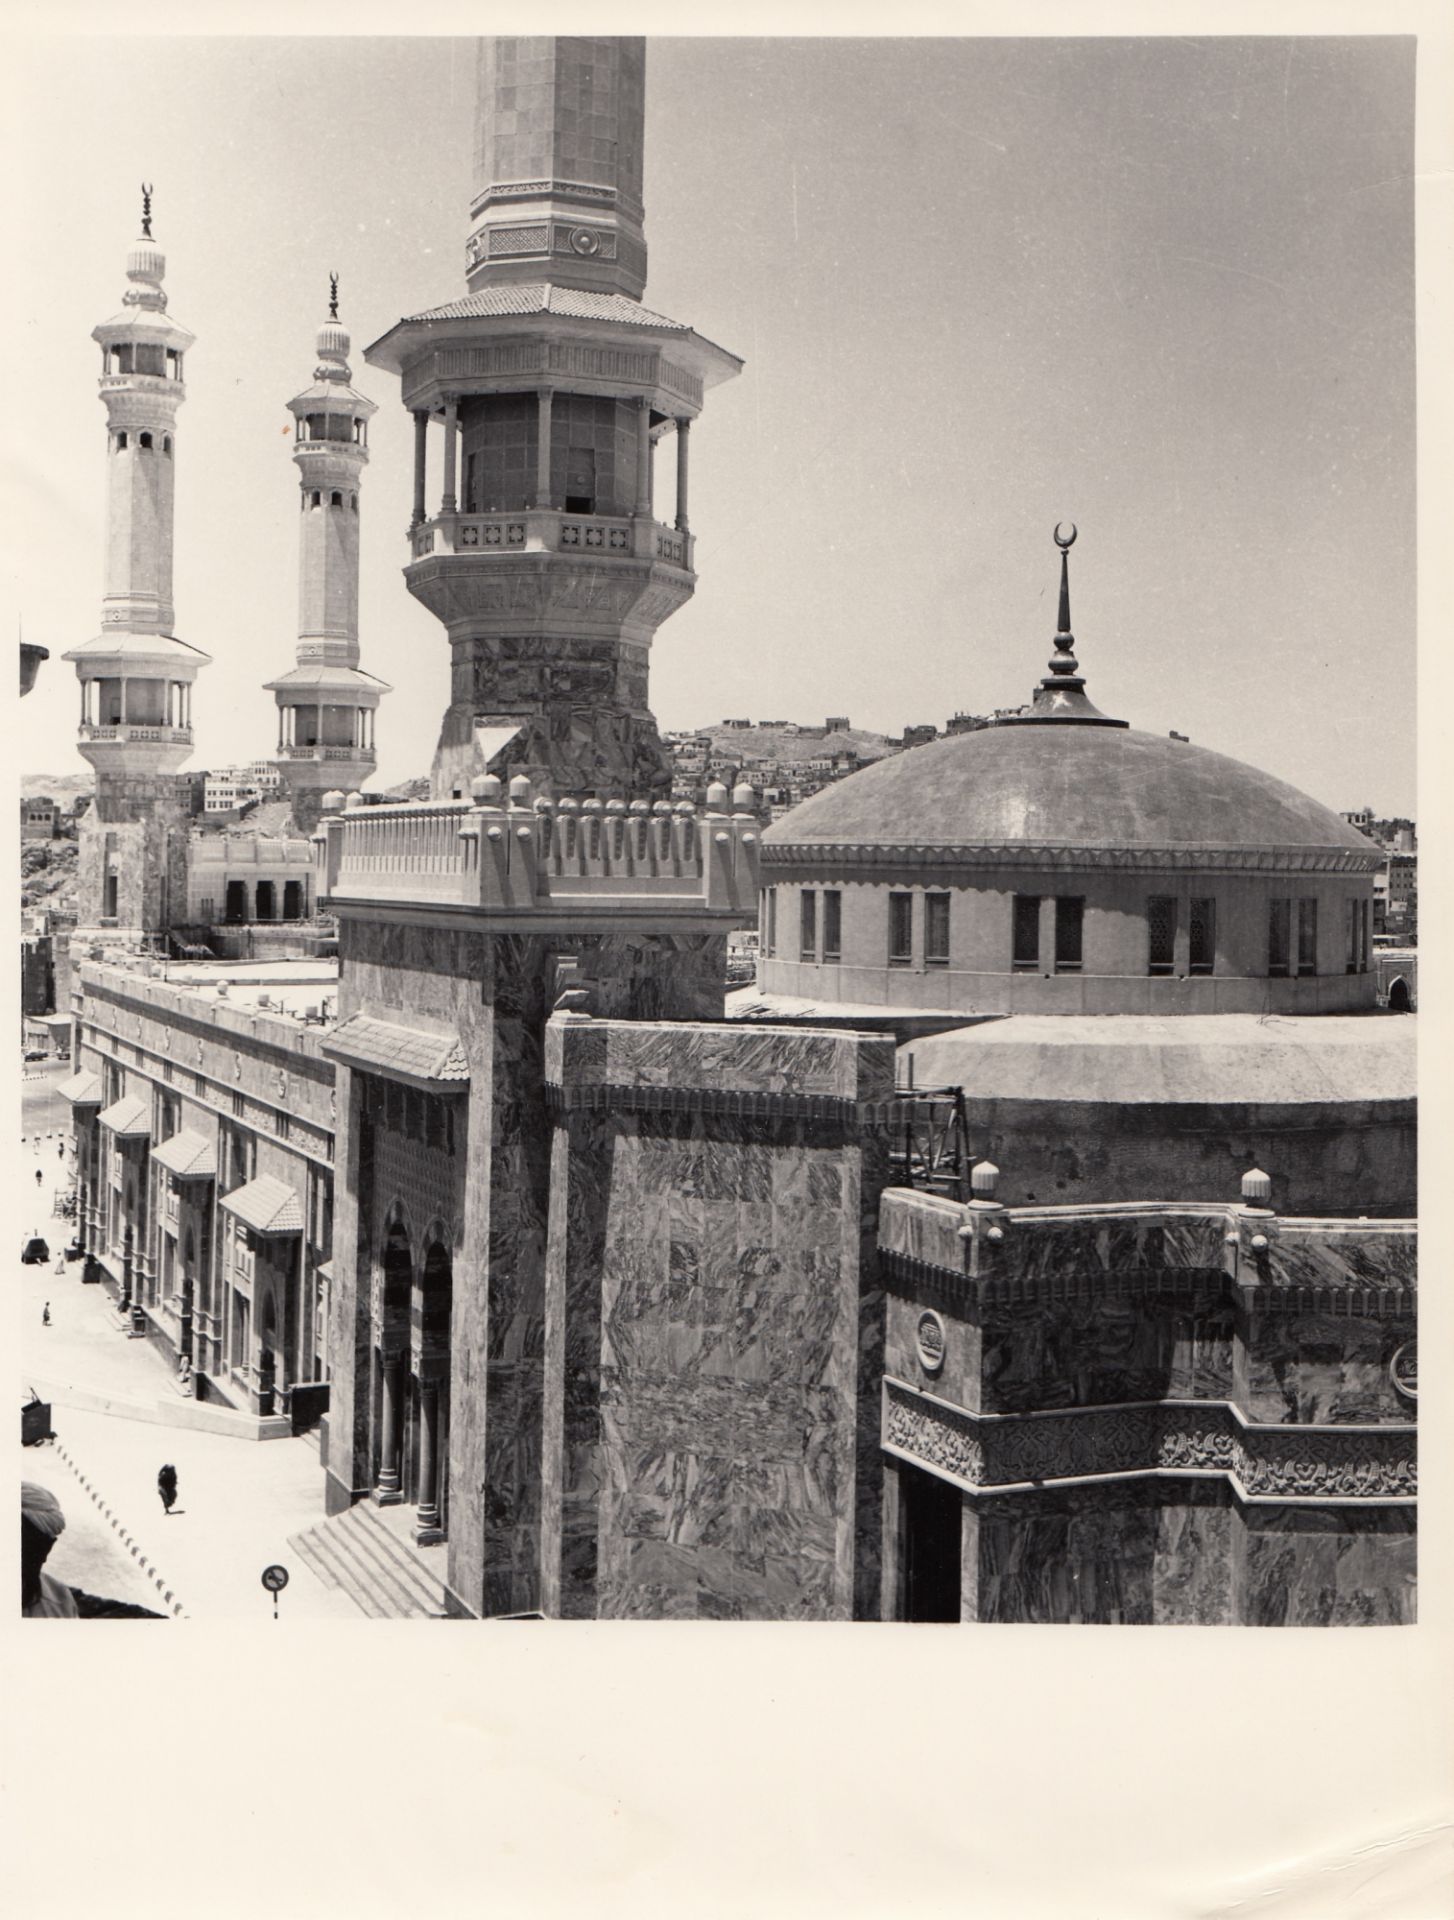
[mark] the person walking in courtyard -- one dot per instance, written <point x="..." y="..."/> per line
<point x="45" y="1314"/>
<point x="39" y="1176"/>
<point x="167" y="1487"/>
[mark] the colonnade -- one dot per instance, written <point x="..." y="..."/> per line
<point x="176" y="708"/>
<point x="361" y="731"/>
<point x="543" y="495"/>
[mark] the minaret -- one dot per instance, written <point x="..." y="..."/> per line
<point x="326" y="706"/>
<point x="136" y="676"/>
<point x="547" y="557"/>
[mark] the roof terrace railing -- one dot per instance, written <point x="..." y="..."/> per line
<point x="521" y="852"/>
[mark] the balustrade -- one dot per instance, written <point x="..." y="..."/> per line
<point x="538" y="853"/>
<point x="550" y="530"/>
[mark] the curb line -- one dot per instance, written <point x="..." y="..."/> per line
<point x="164" y="1592"/>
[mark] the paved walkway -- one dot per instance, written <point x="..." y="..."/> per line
<point x="238" y="1500"/>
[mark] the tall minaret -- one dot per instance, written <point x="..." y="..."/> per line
<point x="547" y="558"/>
<point x="136" y="676"/>
<point x="326" y="706"/>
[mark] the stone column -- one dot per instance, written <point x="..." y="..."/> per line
<point x="643" y="457"/>
<point x="683" y="427"/>
<point x="545" y="397"/>
<point x="449" y="504"/>
<point x="389" y="1491"/>
<point x="427" y="1527"/>
<point x="421" y="448"/>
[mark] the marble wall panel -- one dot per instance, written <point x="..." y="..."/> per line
<point x="1098" y="1351"/>
<point x="743" y="1059"/>
<point x="710" y="1349"/>
<point x="1087" y="1555"/>
<point x="1300" y="1368"/>
<point x="1326" y="1566"/>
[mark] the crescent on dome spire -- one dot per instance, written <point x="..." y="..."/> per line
<point x="1060" y="699"/>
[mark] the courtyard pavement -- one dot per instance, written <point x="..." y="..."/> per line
<point x="238" y="1499"/>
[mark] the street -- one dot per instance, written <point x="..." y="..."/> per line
<point x="238" y="1499"/>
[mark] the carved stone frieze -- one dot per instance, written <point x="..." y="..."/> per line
<point x="800" y="854"/>
<point x="1373" y="1463"/>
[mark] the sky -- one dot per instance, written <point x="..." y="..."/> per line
<point x="1160" y="287"/>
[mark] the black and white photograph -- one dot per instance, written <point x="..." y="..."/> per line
<point x="719" y="839"/>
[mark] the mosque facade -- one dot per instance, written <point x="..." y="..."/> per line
<point x="1034" y="1242"/>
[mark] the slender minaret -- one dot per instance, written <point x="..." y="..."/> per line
<point x="326" y="706"/>
<point x="136" y="676"/>
<point x="548" y="558"/>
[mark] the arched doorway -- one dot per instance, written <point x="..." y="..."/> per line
<point x="1399" y="998"/>
<point x="391" y="1348"/>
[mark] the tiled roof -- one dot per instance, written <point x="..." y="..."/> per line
<point x="379" y="1046"/>
<point x="266" y="1205"/>
<point x="537" y="297"/>
<point x="82" y="1090"/>
<point x="188" y="1155"/>
<point x="130" y="1118"/>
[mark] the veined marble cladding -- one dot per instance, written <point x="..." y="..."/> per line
<point x="1151" y="1304"/>
<point x="646" y="976"/>
<point x="780" y="1062"/>
<point x="1326" y="1567"/>
<point x="710" y="1446"/>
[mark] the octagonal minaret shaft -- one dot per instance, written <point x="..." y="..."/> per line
<point x="326" y="705"/>
<point x="136" y="675"/>
<point x="548" y="559"/>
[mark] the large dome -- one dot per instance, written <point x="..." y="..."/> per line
<point x="1106" y="788"/>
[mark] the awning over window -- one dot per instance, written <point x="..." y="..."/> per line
<point x="399" y="1052"/>
<point x="266" y="1205"/>
<point x="82" y="1090"/>
<point x="187" y="1156"/>
<point x="129" y="1119"/>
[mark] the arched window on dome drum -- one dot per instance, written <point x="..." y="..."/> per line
<point x="1025" y="947"/>
<point x="808" y="910"/>
<point x="901" y="929"/>
<point x="1202" y="950"/>
<point x="337" y="500"/>
<point x="144" y="442"/>
<point x="1307" y="935"/>
<point x="832" y="924"/>
<point x="166" y="443"/>
<point x="1279" y="938"/>
<point x="770" y="922"/>
<point x="1069" y="927"/>
<point x="121" y="441"/>
<point x="936" y="929"/>
<point x="1160" y="933"/>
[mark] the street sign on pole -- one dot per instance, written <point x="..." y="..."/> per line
<point x="275" y="1578"/>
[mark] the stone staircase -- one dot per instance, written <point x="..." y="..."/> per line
<point x="367" y="1553"/>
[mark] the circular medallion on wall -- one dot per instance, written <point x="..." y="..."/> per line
<point x="584" y="241"/>
<point x="930" y="1339"/>
<point x="1403" y="1370"/>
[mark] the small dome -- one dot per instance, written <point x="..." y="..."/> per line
<point x="333" y="340"/>
<point x="1066" y="786"/>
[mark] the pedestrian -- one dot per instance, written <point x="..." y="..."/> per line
<point x="39" y="1176"/>
<point x="167" y="1487"/>
<point x="45" y="1314"/>
<point x="61" y="1150"/>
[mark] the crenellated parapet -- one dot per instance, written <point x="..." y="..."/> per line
<point x="610" y="863"/>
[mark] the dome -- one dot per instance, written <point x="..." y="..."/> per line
<point x="1106" y="789"/>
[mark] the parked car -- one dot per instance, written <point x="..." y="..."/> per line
<point x="33" y="1251"/>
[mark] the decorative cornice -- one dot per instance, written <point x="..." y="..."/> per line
<point x="1061" y="858"/>
<point x="731" y="1103"/>
<point x="1338" y="1293"/>
<point x="1163" y="1440"/>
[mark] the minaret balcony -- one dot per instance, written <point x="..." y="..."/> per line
<point x="538" y="530"/>
<point x="128" y="734"/>
<point x="359" y="756"/>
